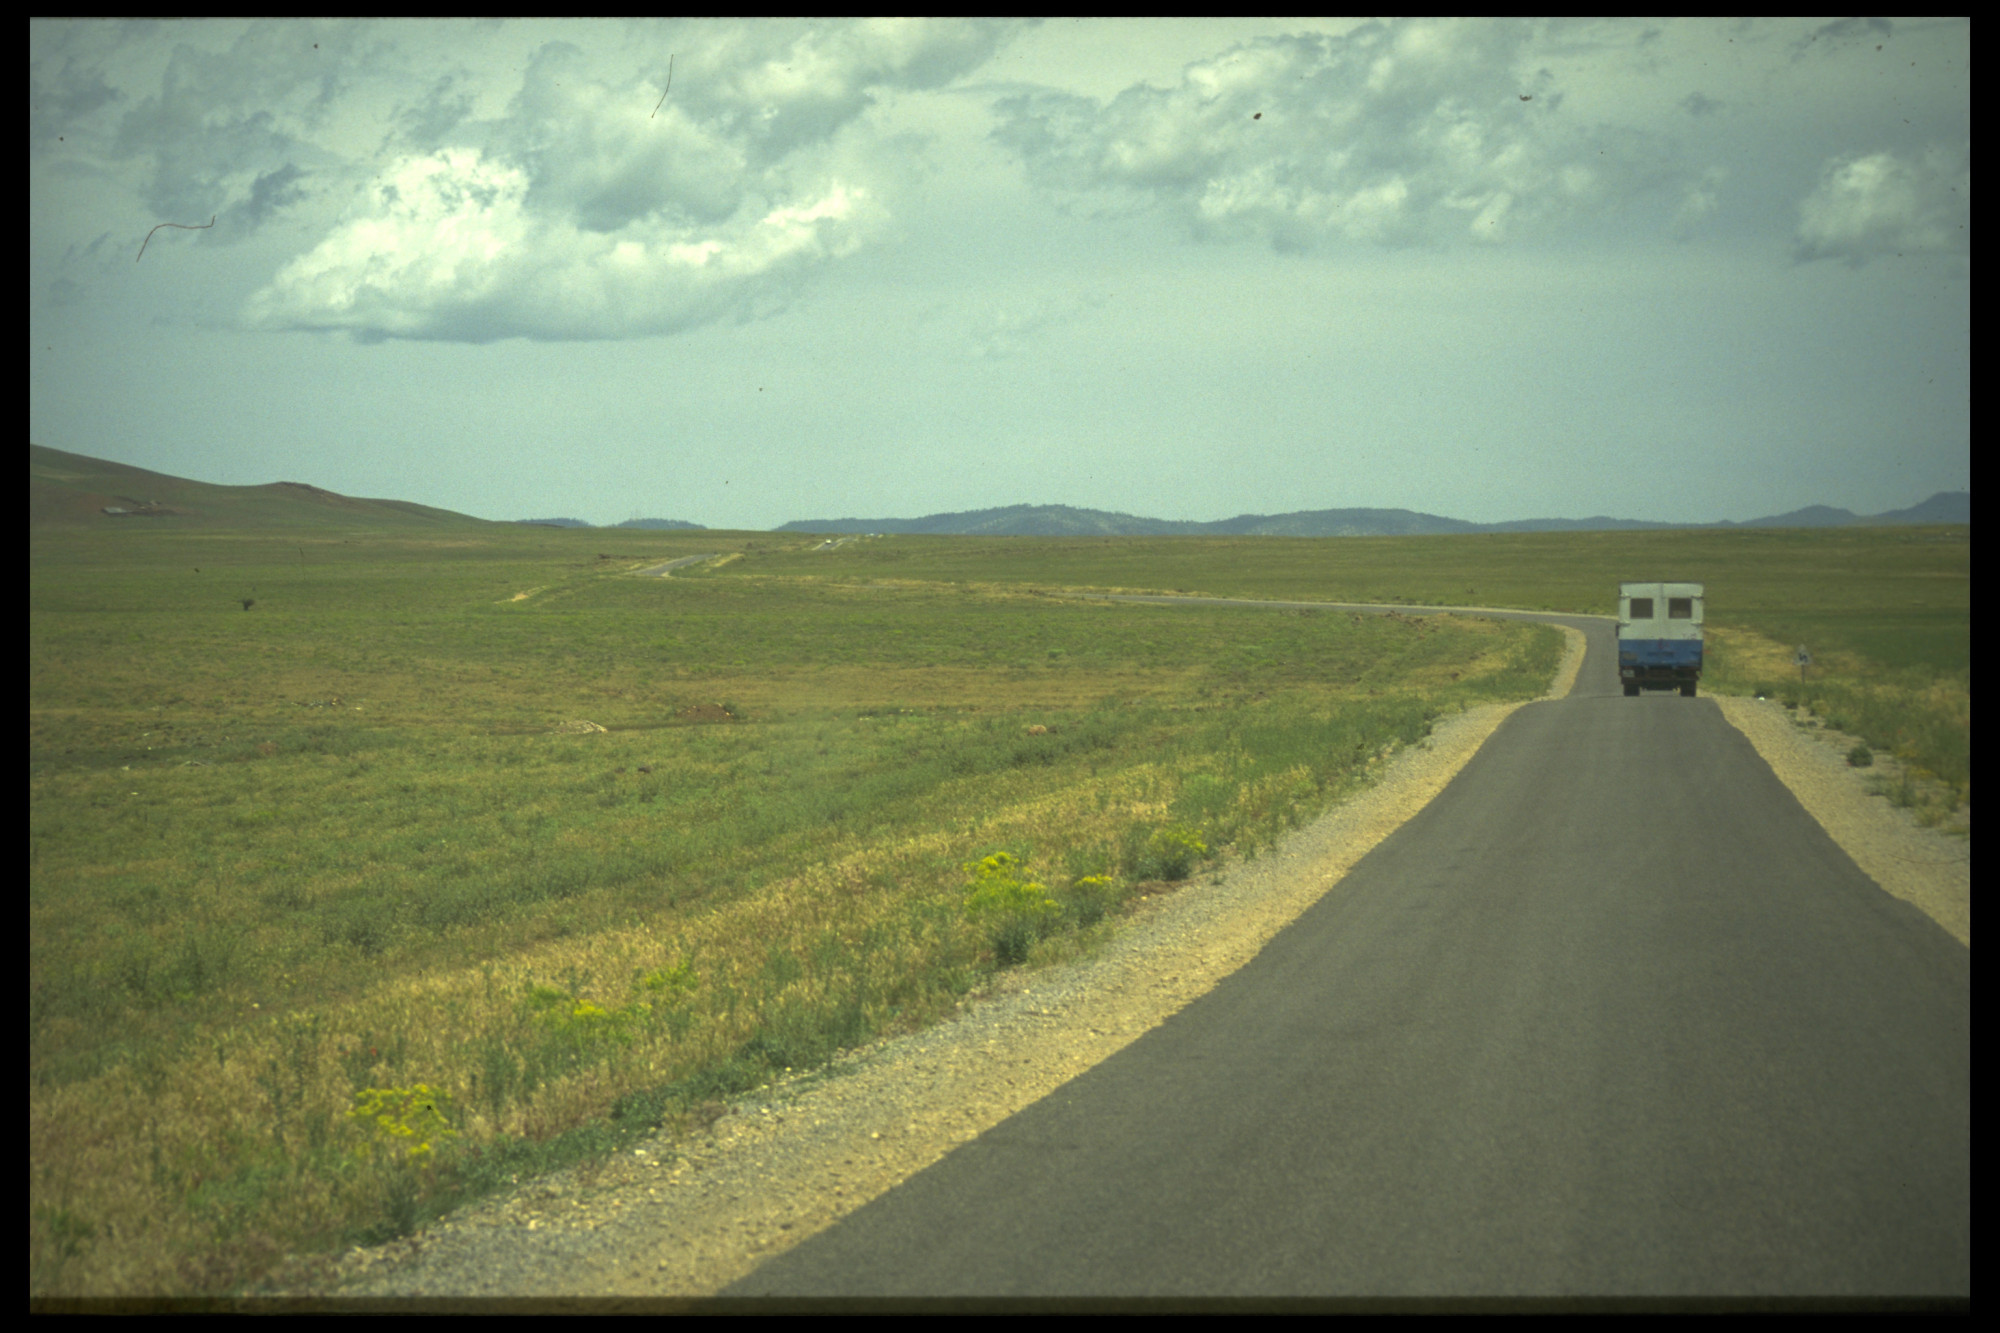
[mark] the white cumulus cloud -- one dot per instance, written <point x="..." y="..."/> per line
<point x="602" y="204"/>
<point x="448" y="246"/>
<point x="1884" y="204"/>
<point x="1392" y="133"/>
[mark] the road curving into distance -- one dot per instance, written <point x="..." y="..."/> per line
<point x="1612" y="1016"/>
<point x="666" y="570"/>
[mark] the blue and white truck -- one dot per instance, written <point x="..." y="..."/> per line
<point x="1659" y="637"/>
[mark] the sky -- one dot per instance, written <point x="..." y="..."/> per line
<point x="744" y="272"/>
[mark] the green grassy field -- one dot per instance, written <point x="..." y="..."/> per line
<point x="340" y="916"/>
<point x="1896" y="597"/>
<point x="1884" y="612"/>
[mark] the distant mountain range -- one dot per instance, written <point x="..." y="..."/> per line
<point x="1063" y="521"/>
<point x="66" y="488"/>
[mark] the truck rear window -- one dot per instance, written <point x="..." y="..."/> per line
<point x="1642" y="608"/>
<point x="1680" y="608"/>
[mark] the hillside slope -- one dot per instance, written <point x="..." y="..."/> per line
<point x="73" y="490"/>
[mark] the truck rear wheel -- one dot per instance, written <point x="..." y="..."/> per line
<point x="1631" y="690"/>
<point x="1687" y="689"/>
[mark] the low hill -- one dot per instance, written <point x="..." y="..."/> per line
<point x="66" y="489"/>
<point x="1944" y="507"/>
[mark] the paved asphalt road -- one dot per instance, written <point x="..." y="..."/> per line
<point x="661" y="571"/>
<point x="1611" y="1017"/>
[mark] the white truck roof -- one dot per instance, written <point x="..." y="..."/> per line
<point x="1666" y="610"/>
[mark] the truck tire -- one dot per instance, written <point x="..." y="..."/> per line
<point x="1687" y="689"/>
<point x="1631" y="690"/>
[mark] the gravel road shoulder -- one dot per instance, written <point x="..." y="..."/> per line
<point x="1931" y="870"/>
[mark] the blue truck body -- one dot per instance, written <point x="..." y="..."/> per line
<point x="1659" y="636"/>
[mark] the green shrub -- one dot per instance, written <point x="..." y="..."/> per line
<point x="1014" y="912"/>
<point x="1091" y="898"/>
<point x="1861" y="756"/>
<point x="405" y="1121"/>
<point x="1167" y="853"/>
